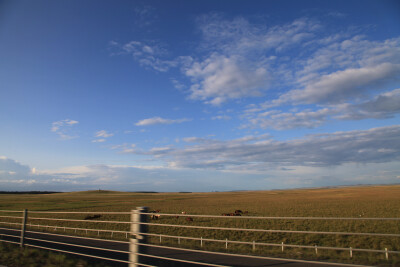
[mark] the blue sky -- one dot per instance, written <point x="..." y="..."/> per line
<point x="198" y="95"/>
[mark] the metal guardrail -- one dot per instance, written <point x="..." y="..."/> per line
<point x="138" y="233"/>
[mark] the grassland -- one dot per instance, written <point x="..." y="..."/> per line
<point x="369" y="201"/>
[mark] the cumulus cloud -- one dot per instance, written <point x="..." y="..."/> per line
<point x="63" y="128"/>
<point x="240" y="63"/>
<point x="159" y="120"/>
<point x="220" y="78"/>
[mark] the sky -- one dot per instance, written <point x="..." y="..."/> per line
<point x="198" y="96"/>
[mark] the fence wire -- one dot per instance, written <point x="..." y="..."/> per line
<point x="130" y="233"/>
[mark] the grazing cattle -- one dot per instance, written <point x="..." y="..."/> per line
<point x="225" y="214"/>
<point x="238" y="211"/>
<point x="189" y="219"/>
<point x="96" y="216"/>
<point x="155" y="216"/>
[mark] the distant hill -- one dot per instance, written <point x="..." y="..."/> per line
<point x="28" y="192"/>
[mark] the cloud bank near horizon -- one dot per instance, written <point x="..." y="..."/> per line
<point x="353" y="157"/>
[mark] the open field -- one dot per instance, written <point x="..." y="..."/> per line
<point x="369" y="201"/>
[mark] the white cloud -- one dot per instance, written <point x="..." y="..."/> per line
<point x="325" y="74"/>
<point x="103" y="133"/>
<point x="144" y="16"/>
<point x="230" y="176"/>
<point x="262" y="153"/>
<point x="101" y="140"/>
<point x="63" y="128"/>
<point x="221" y="117"/>
<point x="343" y="85"/>
<point x="159" y="120"/>
<point x="382" y="106"/>
<point x="220" y="78"/>
<point x="278" y="120"/>
<point x="147" y="55"/>
<point x="125" y="148"/>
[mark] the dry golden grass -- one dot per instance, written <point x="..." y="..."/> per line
<point x="368" y="201"/>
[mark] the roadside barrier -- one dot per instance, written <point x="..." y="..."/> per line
<point x="138" y="234"/>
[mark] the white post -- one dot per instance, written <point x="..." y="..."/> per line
<point x="282" y="246"/>
<point x="254" y="245"/>
<point x="179" y="240"/>
<point x="160" y="238"/>
<point x="201" y="242"/>
<point x="137" y="238"/>
<point x="226" y="244"/>
<point x="351" y="252"/>
<point x="316" y="249"/>
<point x="386" y="254"/>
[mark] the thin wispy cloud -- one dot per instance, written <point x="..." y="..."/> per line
<point x="102" y="136"/>
<point x="159" y="120"/>
<point x="63" y="129"/>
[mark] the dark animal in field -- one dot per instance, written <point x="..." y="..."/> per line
<point x="189" y="219"/>
<point x="154" y="211"/>
<point x="238" y="211"/>
<point x="155" y="216"/>
<point x="91" y="217"/>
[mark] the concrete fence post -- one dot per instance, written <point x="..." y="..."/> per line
<point x="23" y="227"/>
<point x="137" y="229"/>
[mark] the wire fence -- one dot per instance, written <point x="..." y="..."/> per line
<point x="137" y="234"/>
